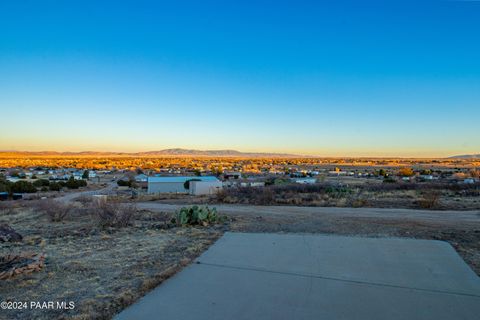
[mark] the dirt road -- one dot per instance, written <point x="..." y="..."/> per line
<point x="74" y="195"/>
<point x="428" y="216"/>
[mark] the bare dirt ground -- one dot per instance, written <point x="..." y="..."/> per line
<point x="100" y="270"/>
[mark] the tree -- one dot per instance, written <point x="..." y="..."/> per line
<point x="41" y="183"/>
<point x="23" y="187"/>
<point x="55" y="186"/>
<point x="85" y="175"/>
<point x="406" y="172"/>
<point x="75" y="184"/>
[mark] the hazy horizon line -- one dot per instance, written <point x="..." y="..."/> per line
<point x="239" y="151"/>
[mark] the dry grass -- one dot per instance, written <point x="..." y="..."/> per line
<point x="379" y="195"/>
<point x="101" y="270"/>
<point x="430" y="200"/>
<point x="55" y="210"/>
<point x="113" y="214"/>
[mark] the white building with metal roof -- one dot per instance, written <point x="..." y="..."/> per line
<point x="175" y="184"/>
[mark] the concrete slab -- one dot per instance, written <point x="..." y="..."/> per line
<point x="284" y="276"/>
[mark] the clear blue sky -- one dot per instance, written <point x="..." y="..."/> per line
<point x="330" y="78"/>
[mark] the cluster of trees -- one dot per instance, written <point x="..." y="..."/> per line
<point x="127" y="183"/>
<point x="23" y="186"/>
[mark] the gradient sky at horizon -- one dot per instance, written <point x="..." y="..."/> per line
<point x="328" y="78"/>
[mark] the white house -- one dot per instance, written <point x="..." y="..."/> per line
<point x="305" y="181"/>
<point x="174" y="184"/>
<point x="253" y="184"/>
<point x="205" y="187"/>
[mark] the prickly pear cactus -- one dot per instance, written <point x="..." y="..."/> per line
<point x="182" y="216"/>
<point x="202" y="214"/>
<point x="196" y="215"/>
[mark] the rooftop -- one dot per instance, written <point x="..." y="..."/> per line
<point x="181" y="179"/>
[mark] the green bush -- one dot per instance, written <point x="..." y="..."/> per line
<point x="41" y="183"/>
<point x="389" y="180"/>
<point x="23" y="187"/>
<point x="124" y="183"/>
<point x="338" y="192"/>
<point x="127" y="183"/>
<point x="54" y="186"/>
<point x="75" y="184"/>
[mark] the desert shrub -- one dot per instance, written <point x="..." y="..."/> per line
<point x="123" y="183"/>
<point x="113" y="214"/>
<point x="4" y="187"/>
<point x="54" y="186"/>
<point x="8" y="234"/>
<point x="389" y="179"/>
<point x="196" y="215"/>
<point x="430" y="200"/>
<point x="406" y="172"/>
<point x="475" y="173"/>
<point x="41" y="183"/>
<point x="23" y="187"/>
<point x="358" y="203"/>
<point x="127" y="183"/>
<point x="75" y="184"/>
<point x="55" y="210"/>
<point x="83" y="199"/>
<point x="7" y="207"/>
<point x="338" y="192"/>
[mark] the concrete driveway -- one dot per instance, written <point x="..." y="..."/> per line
<point x="292" y="276"/>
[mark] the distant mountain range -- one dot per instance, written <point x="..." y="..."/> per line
<point x="466" y="156"/>
<point x="165" y="152"/>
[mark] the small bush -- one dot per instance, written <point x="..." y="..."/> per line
<point x="75" y="184"/>
<point x="113" y="214"/>
<point x="55" y="210"/>
<point x="54" y="186"/>
<point x="41" y="183"/>
<point x="430" y="200"/>
<point x="406" y="172"/>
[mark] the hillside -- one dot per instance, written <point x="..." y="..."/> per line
<point x="466" y="156"/>
<point x="164" y="152"/>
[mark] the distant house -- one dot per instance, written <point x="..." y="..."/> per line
<point x="232" y="175"/>
<point x="337" y="173"/>
<point x="426" y="177"/>
<point x="12" y="179"/>
<point x="175" y="184"/>
<point x="305" y="181"/>
<point x="77" y="175"/>
<point x="253" y="184"/>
